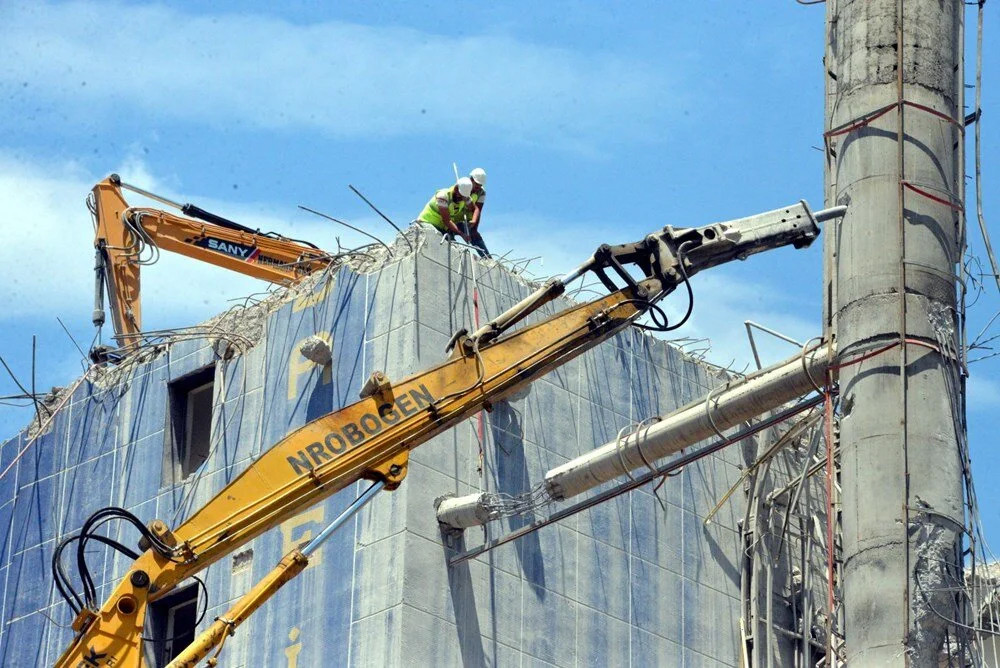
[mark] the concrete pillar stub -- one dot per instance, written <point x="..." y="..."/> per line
<point x="899" y="448"/>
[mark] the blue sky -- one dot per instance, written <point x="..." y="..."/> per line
<point x="597" y="123"/>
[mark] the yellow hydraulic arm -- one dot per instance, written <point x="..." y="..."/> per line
<point x="371" y="439"/>
<point x="214" y="637"/>
<point x="127" y="237"/>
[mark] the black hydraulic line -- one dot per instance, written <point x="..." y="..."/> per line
<point x="59" y="573"/>
<point x="666" y="327"/>
<point x="86" y="533"/>
<point x="298" y="241"/>
<point x="690" y="291"/>
<point x="201" y="214"/>
<point x="62" y="580"/>
<point x="197" y="622"/>
<point x="657" y="315"/>
<point x="63" y="584"/>
<point x="209" y="217"/>
<point x="638" y="481"/>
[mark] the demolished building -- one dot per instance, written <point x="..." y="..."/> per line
<point x="641" y="578"/>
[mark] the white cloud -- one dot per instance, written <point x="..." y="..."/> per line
<point x="45" y="234"/>
<point x="100" y="60"/>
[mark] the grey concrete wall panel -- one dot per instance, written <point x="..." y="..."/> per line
<point x="627" y="581"/>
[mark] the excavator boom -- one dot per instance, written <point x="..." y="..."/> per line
<point x="371" y="438"/>
<point x="127" y="237"/>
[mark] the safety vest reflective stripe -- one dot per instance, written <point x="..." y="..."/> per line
<point x="431" y="215"/>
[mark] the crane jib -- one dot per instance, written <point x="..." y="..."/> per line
<point x="340" y="440"/>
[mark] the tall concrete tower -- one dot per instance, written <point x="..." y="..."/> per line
<point x="894" y="152"/>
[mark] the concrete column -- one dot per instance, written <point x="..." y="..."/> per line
<point x="901" y="471"/>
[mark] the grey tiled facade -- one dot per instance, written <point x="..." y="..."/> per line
<point x="628" y="582"/>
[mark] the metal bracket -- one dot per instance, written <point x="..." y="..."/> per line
<point x="457" y="341"/>
<point x="392" y="471"/>
<point x="377" y="385"/>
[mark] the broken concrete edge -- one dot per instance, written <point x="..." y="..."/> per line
<point x="54" y="402"/>
<point x="462" y="512"/>
<point x="237" y="330"/>
<point x="934" y="586"/>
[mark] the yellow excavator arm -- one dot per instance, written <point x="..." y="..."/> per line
<point x="126" y="237"/>
<point x="371" y="439"/>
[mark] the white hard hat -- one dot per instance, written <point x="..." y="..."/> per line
<point x="478" y="175"/>
<point x="464" y="186"/>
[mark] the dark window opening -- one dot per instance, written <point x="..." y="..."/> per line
<point x="171" y="624"/>
<point x="190" y="426"/>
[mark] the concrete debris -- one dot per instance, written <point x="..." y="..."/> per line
<point x="223" y="348"/>
<point x="242" y="326"/>
<point x="941" y="319"/>
<point x="316" y="350"/>
<point x="49" y="404"/>
<point x="933" y="599"/>
<point x="53" y="403"/>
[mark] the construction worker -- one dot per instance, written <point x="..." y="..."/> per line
<point x="444" y="210"/>
<point x="474" y="210"/>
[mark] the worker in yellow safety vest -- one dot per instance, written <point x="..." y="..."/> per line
<point x="445" y="209"/>
<point x="473" y="211"/>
